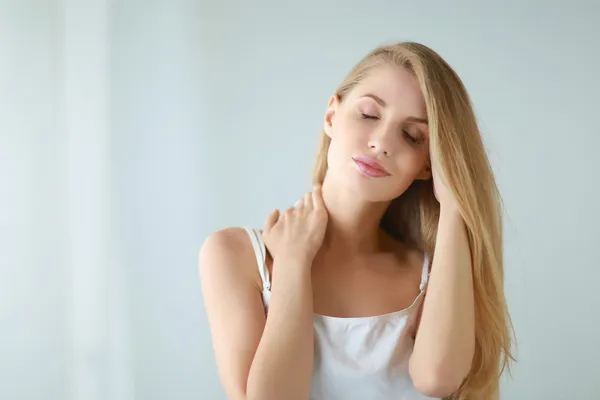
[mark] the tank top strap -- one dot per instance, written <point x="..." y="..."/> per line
<point x="424" y="273"/>
<point x="260" y="252"/>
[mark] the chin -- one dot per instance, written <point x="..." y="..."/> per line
<point x="375" y="190"/>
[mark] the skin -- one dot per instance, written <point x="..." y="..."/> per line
<point x="328" y="255"/>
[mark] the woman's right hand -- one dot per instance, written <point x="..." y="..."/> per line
<point x="299" y="231"/>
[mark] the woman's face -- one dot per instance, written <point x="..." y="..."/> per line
<point x="379" y="135"/>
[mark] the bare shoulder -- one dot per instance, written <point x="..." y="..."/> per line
<point x="227" y="252"/>
<point x="225" y="238"/>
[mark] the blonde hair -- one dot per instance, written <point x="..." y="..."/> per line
<point x="455" y="141"/>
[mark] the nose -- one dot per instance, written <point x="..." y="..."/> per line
<point x="377" y="148"/>
<point x="381" y="142"/>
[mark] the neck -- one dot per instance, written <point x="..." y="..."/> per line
<point x="354" y="224"/>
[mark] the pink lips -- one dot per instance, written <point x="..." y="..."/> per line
<point x="370" y="167"/>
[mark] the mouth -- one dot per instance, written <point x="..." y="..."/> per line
<point x="370" y="167"/>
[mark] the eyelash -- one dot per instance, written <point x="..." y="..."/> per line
<point x="367" y="116"/>
<point x="409" y="137"/>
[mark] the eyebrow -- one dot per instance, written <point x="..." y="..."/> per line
<point x="382" y="103"/>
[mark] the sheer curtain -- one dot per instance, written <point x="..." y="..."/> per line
<point x="100" y="367"/>
<point x="63" y="313"/>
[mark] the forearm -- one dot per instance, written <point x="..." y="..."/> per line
<point x="446" y="334"/>
<point x="282" y="365"/>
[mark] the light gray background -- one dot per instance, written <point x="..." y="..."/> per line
<point x="129" y="130"/>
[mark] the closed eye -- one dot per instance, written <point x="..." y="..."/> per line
<point x="367" y="116"/>
<point x="412" y="139"/>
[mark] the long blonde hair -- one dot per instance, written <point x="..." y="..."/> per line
<point x="455" y="141"/>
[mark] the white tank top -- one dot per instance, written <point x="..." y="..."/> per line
<point x="362" y="358"/>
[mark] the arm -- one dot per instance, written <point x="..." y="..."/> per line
<point x="282" y="367"/>
<point x="257" y="357"/>
<point x="445" y="341"/>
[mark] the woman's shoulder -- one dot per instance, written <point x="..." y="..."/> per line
<point x="227" y="252"/>
<point x="224" y="238"/>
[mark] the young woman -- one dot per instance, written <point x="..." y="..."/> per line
<point x="385" y="281"/>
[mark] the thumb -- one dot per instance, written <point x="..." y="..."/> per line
<point x="271" y="220"/>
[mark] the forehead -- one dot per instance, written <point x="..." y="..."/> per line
<point x="397" y="86"/>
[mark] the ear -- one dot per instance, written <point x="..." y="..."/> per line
<point x="425" y="173"/>
<point x="332" y="107"/>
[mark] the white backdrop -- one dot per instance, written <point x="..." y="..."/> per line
<point x="129" y="130"/>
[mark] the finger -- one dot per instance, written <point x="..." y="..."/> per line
<point x="299" y="204"/>
<point x="271" y="220"/>
<point x="308" y="201"/>
<point x="317" y="197"/>
<point x="288" y="214"/>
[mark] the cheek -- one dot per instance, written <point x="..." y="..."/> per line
<point x="412" y="163"/>
<point x="348" y="137"/>
<point x="350" y="134"/>
<point x="345" y="144"/>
